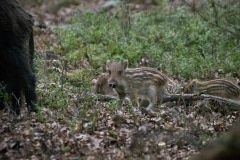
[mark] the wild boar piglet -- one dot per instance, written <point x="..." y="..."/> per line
<point x="217" y="87"/>
<point x="144" y="82"/>
<point x="102" y="87"/>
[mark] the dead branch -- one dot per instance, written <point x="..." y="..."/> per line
<point x="182" y="97"/>
<point x="100" y="97"/>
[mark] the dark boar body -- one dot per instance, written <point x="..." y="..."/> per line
<point x="16" y="55"/>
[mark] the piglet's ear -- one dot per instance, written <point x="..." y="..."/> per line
<point x="125" y="64"/>
<point x="107" y="64"/>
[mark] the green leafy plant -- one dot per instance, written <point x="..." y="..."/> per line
<point x="185" y="44"/>
<point x="3" y="95"/>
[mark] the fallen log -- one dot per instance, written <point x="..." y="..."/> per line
<point x="182" y="97"/>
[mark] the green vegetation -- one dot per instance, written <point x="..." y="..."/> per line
<point x="185" y="41"/>
<point x="177" y="41"/>
<point x="180" y="42"/>
<point x="3" y="95"/>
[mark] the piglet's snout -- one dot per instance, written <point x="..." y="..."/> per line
<point x="113" y="84"/>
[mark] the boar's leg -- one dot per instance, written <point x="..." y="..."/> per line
<point x="121" y="96"/>
<point x="28" y="84"/>
<point x="29" y="91"/>
<point x="152" y="94"/>
<point x="27" y="81"/>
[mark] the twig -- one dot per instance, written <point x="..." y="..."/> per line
<point x="100" y="97"/>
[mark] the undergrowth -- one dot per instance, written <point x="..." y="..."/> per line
<point x="176" y="41"/>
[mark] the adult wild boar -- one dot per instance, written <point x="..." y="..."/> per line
<point x="16" y="55"/>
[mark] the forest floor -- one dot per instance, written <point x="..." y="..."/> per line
<point x="177" y="130"/>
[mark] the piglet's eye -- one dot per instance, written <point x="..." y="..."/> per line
<point x="120" y="73"/>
